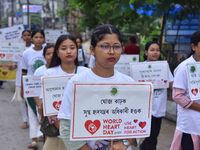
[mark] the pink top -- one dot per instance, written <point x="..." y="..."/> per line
<point x="179" y="96"/>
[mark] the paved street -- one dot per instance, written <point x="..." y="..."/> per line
<point x="14" y="138"/>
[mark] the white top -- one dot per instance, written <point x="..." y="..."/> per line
<point x="19" y="71"/>
<point x="58" y="71"/>
<point x="87" y="76"/>
<point x="188" y="120"/>
<point x="40" y="71"/>
<point x="159" y="102"/>
<point x="32" y="59"/>
<point x="91" y="63"/>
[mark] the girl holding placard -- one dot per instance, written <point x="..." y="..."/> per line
<point x="26" y="37"/>
<point x="31" y="60"/>
<point x="47" y="53"/>
<point x="152" y="53"/>
<point x="64" y="62"/>
<point x="187" y="134"/>
<point x="106" y="47"/>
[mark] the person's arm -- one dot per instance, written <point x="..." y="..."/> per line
<point x="24" y="72"/>
<point x="179" y="96"/>
<point x="38" y="103"/>
<point x="85" y="147"/>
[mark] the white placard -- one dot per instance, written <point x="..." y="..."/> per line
<point x="111" y="111"/>
<point x="11" y="33"/>
<point x="124" y="61"/>
<point x="11" y="51"/>
<point x="52" y="89"/>
<point x="155" y="72"/>
<point x="32" y="86"/>
<point x="193" y="73"/>
<point x="51" y="36"/>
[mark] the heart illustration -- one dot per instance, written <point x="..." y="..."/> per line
<point x="165" y="81"/>
<point x="4" y="73"/>
<point x="194" y="91"/>
<point x="92" y="126"/>
<point x="56" y="104"/>
<point x="142" y="124"/>
<point x="2" y="55"/>
<point x="135" y="120"/>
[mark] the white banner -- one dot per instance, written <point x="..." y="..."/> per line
<point x="52" y="89"/>
<point x="111" y="111"/>
<point x="32" y="86"/>
<point x="11" y="51"/>
<point x="193" y="73"/>
<point x="123" y="65"/>
<point x="51" y="36"/>
<point x="155" y="72"/>
<point x="12" y="33"/>
<point x="10" y="54"/>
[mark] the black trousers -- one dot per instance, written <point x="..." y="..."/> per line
<point x="150" y="142"/>
<point x="186" y="142"/>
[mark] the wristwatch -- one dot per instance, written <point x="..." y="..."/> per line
<point x="126" y="143"/>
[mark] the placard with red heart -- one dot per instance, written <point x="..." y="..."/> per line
<point x="56" y="104"/>
<point x="92" y="126"/>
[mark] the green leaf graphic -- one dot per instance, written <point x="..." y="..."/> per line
<point x="192" y="69"/>
<point x="114" y="91"/>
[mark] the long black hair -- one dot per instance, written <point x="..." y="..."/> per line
<point x="56" y="61"/>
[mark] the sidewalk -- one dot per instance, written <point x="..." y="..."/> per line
<point x="14" y="138"/>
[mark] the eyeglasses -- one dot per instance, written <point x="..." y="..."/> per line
<point x="106" y="47"/>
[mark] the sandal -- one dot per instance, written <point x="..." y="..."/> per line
<point x="33" y="145"/>
<point x="41" y="139"/>
<point x="24" y="125"/>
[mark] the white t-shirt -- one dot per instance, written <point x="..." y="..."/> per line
<point x="91" y="63"/>
<point x="160" y="99"/>
<point x="40" y="71"/>
<point x="19" y="71"/>
<point x="87" y="76"/>
<point x="32" y="59"/>
<point x="188" y="120"/>
<point x="58" y="71"/>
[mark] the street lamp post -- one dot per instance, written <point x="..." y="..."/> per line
<point x="53" y="15"/>
<point x="28" y="15"/>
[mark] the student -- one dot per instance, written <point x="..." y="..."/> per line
<point x="106" y="46"/>
<point x="47" y="53"/>
<point x="26" y="37"/>
<point x="64" y="62"/>
<point x="31" y="60"/>
<point x="187" y="134"/>
<point x="152" y="53"/>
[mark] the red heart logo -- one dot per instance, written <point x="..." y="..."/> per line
<point x="2" y="55"/>
<point x="92" y="126"/>
<point x="135" y="120"/>
<point x="142" y="124"/>
<point x="194" y="91"/>
<point x="56" y="104"/>
<point x="165" y="81"/>
<point x="4" y="73"/>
